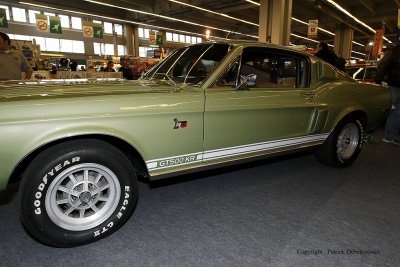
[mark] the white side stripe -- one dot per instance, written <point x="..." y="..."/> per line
<point x="181" y="160"/>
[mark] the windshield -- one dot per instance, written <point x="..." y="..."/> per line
<point x="190" y="64"/>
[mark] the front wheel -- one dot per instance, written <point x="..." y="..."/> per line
<point x="343" y="145"/>
<point x="77" y="192"/>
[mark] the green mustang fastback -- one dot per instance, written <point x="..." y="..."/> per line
<point x="79" y="145"/>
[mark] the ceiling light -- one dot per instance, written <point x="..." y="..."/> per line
<point x="117" y="20"/>
<point x="168" y="18"/>
<point x="213" y="12"/>
<point x="253" y="2"/>
<point x="355" y="52"/>
<point x="354" y="18"/>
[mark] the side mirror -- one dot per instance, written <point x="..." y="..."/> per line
<point x="246" y="81"/>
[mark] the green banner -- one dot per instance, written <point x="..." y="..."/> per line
<point x="3" y="19"/>
<point x="97" y="31"/>
<point x="55" y="25"/>
<point x="159" y="39"/>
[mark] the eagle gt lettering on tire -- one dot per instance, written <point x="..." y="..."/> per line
<point x="77" y="192"/>
<point x="344" y="143"/>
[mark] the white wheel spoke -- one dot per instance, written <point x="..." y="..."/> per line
<point x="73" y="179"/>
<point x="104" y="187"/>
<point x="73" y="207"/>
<point x="97" y="179"/>
<point x="62" y="201"/>
<point x="68" y="191"/>
<point x="103" y="199"/>
<point x="81" y="213"/>
<point x="85" y="180"/>
<point x="93" y="207"/>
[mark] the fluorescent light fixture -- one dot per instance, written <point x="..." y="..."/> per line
<point x="168" y="18"/>
<point x="354" y="18"/>
<point x="253" y="2"/>
<point x="354" y="42"/>
<point x="213" y="12"/>
<point x="302" y="37"/>
<point x="118" y="20"/>
<point x="358" y="53"/>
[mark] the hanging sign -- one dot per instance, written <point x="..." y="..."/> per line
<point x="312" y="28"/>
<point x="3" y="19"/>
<point x="98" y="30"/>
<point x="55" y="25"/>
<point x="152" y="38"/>
<point x="159" y="38"/>
<point x="378" y="42"/>
<point x="41" y="23"/>
<point x="87" y="29"/>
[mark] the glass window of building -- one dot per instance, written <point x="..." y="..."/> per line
<point x="32" y="16"/>
<point x="118" y="29"/>
<point x="19" y="14"/>
<point x="64" y="21"/>
<point x="97" y="48"/>
<point x="66" y="45"/>
<point x="199" y="40"/>
<point x="48" y="16"/>
<point x="141" y="32"/>
<point x="146" y="33"/>
<point x="194" y="39"/>
<point x="22" y="37"/>
<point x="121" y="50"/>
<point x="7" y="11"/>
<point x="168" y="36"/>
<point x="175" y="37"/>
<point x="109" y="49"/>
<point x="41" y="41"/>
<point x="181" y="38"/>
<point x="108" y="27"/>
<point x="53" y="44"/>
<point x="78" y="47"/>
<point x="97" y="21"/>
<point x="76" y="23"/>
<point x="187" y="39"/>
<point x="143" y="51"/>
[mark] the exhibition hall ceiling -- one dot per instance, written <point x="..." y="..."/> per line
<point x="239" y="19"/>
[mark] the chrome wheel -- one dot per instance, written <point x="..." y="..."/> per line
<point x="348" y="140"/>
<point x="82" y="196"/>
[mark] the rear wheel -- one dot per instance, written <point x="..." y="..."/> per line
<point x="343" y="145"/>
<point x="77" y="192"/>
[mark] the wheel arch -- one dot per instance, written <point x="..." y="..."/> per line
<point x="131" y="152"/>
<point x="355" y="113"/>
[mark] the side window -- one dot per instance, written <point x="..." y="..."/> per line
<point x="273" y="68"/>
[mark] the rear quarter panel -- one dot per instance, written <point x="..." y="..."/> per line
<point x="340" y="95"/>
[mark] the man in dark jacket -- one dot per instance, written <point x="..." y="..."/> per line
<point x="329" y="56"/>
<point x="389" y="67"/>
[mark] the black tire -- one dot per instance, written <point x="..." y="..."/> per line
<point x="77" y="192"/>
<point x="343" y="145"/>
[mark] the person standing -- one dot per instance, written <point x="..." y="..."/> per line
<point x="12" y="62"/>
<point x="329" y="56"/>
<point x="389" y="67"/>
<point x="109" y="67"/>
<point x="126" y="71"/>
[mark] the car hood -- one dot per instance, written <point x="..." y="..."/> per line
<point x="35" y="90"/>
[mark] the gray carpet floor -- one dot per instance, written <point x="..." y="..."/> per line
<point x="290" y="211"/>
